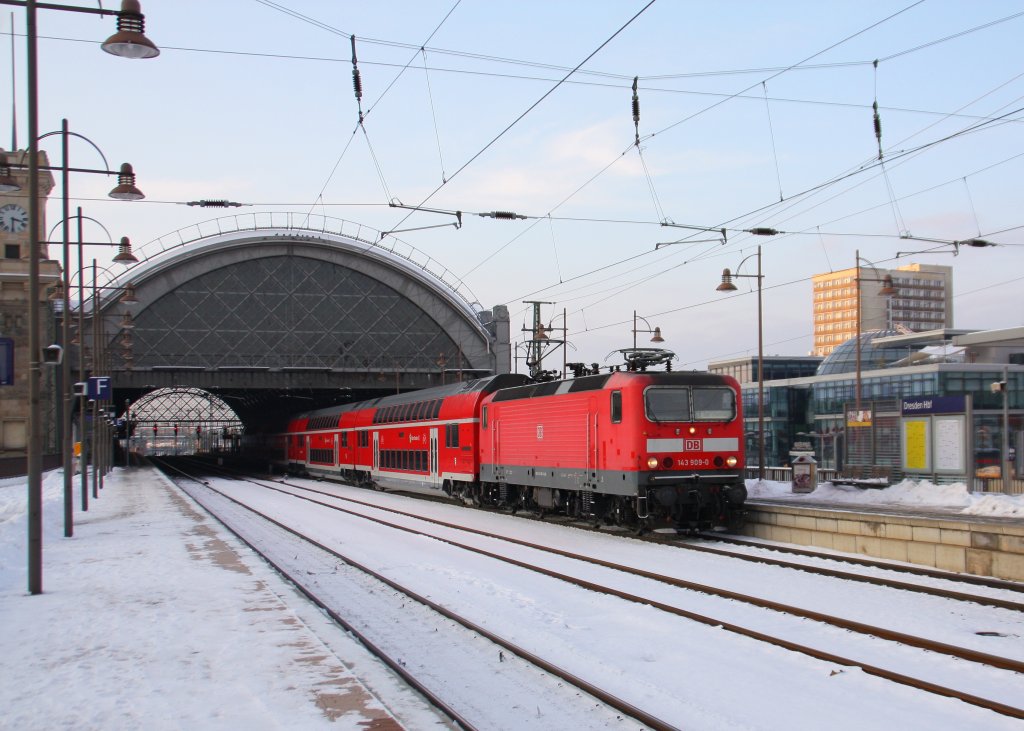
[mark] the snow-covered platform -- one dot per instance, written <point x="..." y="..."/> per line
<point x="938" y="526"/>
<point x="154" y="616"/>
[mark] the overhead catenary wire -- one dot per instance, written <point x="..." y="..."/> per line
<point x="534" y="105"/>
<point x="712" y="106"/>
<point x="771" y="133"/>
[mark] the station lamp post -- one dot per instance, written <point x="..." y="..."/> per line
<point x="124" y="256"/>
<point x="887" y="290"/>
<point x="129" y="42"/>
<point x="125" y="190"/>
<point x="728" y="286"/>
<point x="656" y="331"/>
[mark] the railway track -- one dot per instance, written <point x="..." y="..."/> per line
<point x="965" y="654"/>
<point x="469" y="719"/>
<point x="968" y="580"/>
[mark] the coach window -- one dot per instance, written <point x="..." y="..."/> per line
<point x="344" y="439"/>
<point x="616" y="407"/>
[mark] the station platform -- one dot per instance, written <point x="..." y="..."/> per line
<point x="937" y="537"/>
<point x="154" y="616"/>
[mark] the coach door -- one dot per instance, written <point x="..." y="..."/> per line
<point x="376" y="451"/>
<point x="434" y="467"/>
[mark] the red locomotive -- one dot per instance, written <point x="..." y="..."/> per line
<point x="629" y="448"/>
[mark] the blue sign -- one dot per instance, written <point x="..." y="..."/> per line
<point x="934" y="405"/>
<point x="100" y="389"/>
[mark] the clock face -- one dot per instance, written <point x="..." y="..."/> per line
<point x="13" y="218"/>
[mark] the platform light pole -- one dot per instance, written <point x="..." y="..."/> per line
<point x="655" y="331"/>
<point x="129" y="42"/>
<point x="124" y="256"/>
<point x="887" y="290"/>
<point x="728" y="286"/>
<point x="125" y="190"/>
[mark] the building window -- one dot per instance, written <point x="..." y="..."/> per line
<point x="6" y="362"/>
<point x="12" y="251"/>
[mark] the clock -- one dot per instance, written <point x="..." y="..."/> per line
<point x="13" y="218"/>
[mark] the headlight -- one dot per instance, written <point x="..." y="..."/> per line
<point x="731" y="461"/>
<point x="652" y="462"/>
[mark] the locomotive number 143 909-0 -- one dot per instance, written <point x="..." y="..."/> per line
<point x="693" y="462"/>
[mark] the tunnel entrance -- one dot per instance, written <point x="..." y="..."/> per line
<point x="181" y="420"/>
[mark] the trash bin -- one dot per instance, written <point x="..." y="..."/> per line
<point x="805" y="473"/>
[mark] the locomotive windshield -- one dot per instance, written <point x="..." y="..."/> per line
<point x="713" y="404"/>
<point x="667" y="403"/>
<point x="672" y="403"/>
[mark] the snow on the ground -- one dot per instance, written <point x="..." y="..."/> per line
<point x="916" y="493"/>
<point x="153" y="616"/>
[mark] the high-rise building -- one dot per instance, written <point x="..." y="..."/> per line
<point x="923" y="301"/>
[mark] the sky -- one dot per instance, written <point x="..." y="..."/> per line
<point x="151" y="609"/>
<point x="751" y="115"/>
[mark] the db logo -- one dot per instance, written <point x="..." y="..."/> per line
<point x="691" y="445"/>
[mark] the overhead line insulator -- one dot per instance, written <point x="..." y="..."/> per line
<point x="503" y="215"/>
<point x="636" y="110"/>
<point x="357" y="82"/>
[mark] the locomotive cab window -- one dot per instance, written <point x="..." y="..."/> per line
<point x="667" y="403"/>
<point x="714" y="404"/>
<point x="616" y="407"/>
<point x="483" y="418"/>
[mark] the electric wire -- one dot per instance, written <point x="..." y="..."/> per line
<point x="531" y="108"/>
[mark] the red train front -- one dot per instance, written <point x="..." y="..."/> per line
<point x="631" y="448"/>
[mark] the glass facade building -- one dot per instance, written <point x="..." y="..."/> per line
<point x="813" y="407"/>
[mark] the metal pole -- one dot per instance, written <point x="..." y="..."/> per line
<point x="634" y="329"/>
<point x="856" y="395"/>
<point x="94" y="452"/>
<point x="82" y="462"/>
<point x="1007" y="484"/>
<point x="565" y="342"/>
<point x="33" y="454"/>
<point x="65" y="366"/>
<point x="760" y="373"/>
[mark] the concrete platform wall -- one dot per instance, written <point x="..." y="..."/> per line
<point x="982" y="547"/>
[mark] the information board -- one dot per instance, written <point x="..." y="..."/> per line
<point x="950" y="446"/>
<point x="917" y="455"/>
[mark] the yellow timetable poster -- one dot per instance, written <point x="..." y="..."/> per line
<point x="915" y="444"/>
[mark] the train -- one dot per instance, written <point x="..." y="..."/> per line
<point x="644" y="450"/>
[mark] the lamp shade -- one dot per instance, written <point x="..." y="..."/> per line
<point x="130" y="39"/>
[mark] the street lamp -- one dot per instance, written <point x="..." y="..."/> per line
<point x="728" y="286"/>
<point x="98" y="456"/>
<point x="125" y="190"/>
<point x="887" y="290"/>
<point x="655" y="331"/>
<point x="134" y="45"/>
<point x="62" y="293"/>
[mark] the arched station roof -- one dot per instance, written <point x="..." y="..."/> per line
<point x="272" y="304"/>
